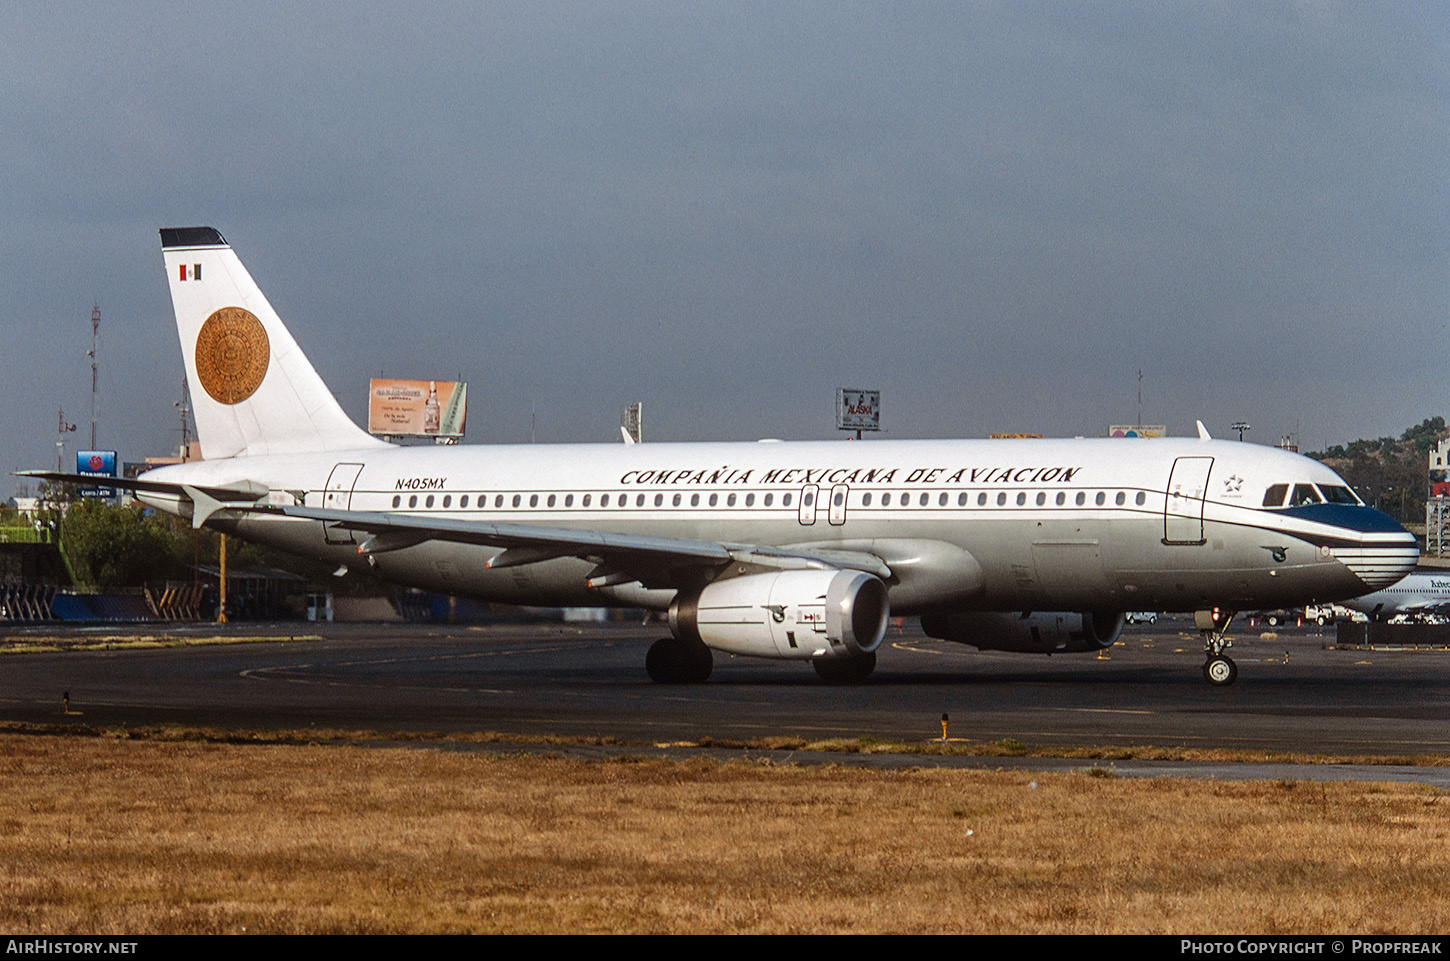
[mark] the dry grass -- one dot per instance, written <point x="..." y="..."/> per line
<point x="54" y="643"/>
<point x="128" y="836"/>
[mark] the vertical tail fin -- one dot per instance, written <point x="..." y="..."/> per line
<point x="253" y="390"/>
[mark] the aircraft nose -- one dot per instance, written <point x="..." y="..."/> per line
<point x="1378" y="550"/>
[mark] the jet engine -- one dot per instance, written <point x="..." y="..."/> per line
<point x="1033" y="632"/>
<point x="794" y="615"/>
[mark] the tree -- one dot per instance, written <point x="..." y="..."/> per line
<point x="112" y="546"/>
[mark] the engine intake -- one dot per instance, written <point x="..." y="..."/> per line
<point x="793" y="615"/>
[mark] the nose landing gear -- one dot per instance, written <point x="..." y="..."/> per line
<point x="1218" y="669"/>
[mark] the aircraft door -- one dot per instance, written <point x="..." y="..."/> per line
<point x="1183" y="509"/>
<point x="337" y="496"/>
<point x="809" y="493"/>
<point x="839" y="495"/>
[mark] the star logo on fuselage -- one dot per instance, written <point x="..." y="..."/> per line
<point x="1232" y="484"/>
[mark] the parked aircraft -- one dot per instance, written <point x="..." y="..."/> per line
<point x="781" y="550"/>
<point x="1419" y="594"/>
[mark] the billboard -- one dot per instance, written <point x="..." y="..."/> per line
<point x="858" y="409"/>
<point x="417" y="408"/>
<point x="1137" y="430"/>
<point x="96" y="463"/>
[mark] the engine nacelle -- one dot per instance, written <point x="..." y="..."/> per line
<point x="795" y="615"/>
<point x="1036" y="632"/>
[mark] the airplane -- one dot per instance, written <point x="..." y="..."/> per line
<point x="1418" y="594"/>
<point x="786" y="550"/>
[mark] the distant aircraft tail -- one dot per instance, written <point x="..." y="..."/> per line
<point x="253" y="390"/>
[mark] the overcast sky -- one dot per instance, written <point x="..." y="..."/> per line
<point x="995" y="213"/>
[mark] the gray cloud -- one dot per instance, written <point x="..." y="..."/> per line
<point x="996" y="213"/>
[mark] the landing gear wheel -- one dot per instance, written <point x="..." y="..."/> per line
<point x="1220" y="671"/>
<point x="673" y="661"/>
<point x="845" y="670"/>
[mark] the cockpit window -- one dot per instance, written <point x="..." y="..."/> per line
<point x="1304" y="494"/>
<point x="1335" y="494"/>
<point x="1274" y="496"/>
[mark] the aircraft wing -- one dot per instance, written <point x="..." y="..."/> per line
<point x="246" y="490"/>
<point x="621" y="558"/>
<point x="205" y="500"/>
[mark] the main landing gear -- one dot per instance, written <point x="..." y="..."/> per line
<point x="677" y="661"/>
<point x="1219" y="669"/>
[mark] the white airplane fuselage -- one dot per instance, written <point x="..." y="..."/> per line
<point x="1420" y="592"/>
<point x="1044" y="524"/>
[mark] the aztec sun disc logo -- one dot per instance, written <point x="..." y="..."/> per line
<point x="232" y="354"/>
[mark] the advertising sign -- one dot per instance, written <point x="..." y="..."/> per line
<point x="96" y="463"/>
<point x="858" y="409"/>
<point x="417" y="408"/>
<point x="1138" y="430"/>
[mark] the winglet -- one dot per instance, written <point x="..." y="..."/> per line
<point x="1202" y="431"/>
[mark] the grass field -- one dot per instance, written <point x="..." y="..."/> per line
<point x="103" y="834"/>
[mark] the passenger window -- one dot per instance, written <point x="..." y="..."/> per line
<point x="1021" y="498"/>
<point x="785" y="500"/>
<point x="639" y="501"/>
<point x="769" y="498"/>
<point x="923" y="499"/>
<point x="1100" y="498"/>
<point x="865" y="499"/>
<point x="533" y="500"/>
<point x="463" y="501"/>
<point x="568" y="500"/>
<point x="730" y="500"/>
<point x="1061" y="498"/>
<point x="714" y="499"/>
<point x="982" y="499"/>
<point x="808" y="499"/>
<point x="498" y="501"/>
<point x="886" y="499"/>
<point x="694" y="500"/>
<point x="1274" y="496"/>
<point x="659" y="500"/>
<point x="412" y="500"/>
<point x="429" y="501"/>
<point x="962" y="499"/>
<point x="1140" y="499"/>
<point x="1081" y="498"/>
<point x="749" y="500"/>
<point x="447" y="500"/>
<point x="1002" y="499"/>
<point x="675" y="501"/>
<point x="1121" y="498"/>
<point x="1041" y="499"/>
<point x="397" y="500"/>
<point x="942" y="500"/>
<point x="603" y="500"/>
<point x="551" y="500"/>
<point x="586" y="500"/>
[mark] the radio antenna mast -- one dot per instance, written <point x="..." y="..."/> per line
<point x="95" y="337"/>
